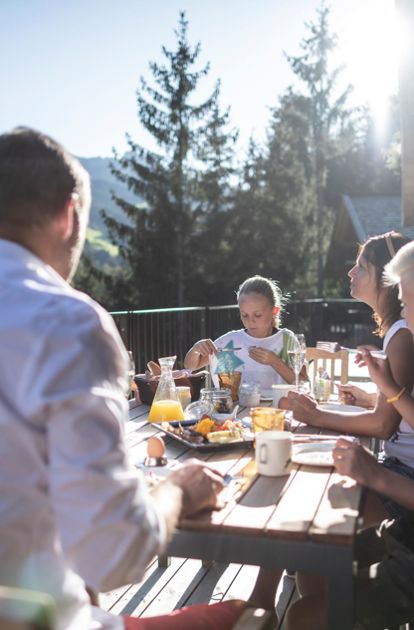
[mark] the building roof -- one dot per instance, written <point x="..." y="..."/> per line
<point x="375" y="215"/>
<point x="359" y="218"/>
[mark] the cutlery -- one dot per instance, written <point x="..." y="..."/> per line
<point x="220" y="350"/>
<point x="333" y="346"/>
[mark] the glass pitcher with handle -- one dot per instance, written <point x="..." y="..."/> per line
<point x="166" y="406"/>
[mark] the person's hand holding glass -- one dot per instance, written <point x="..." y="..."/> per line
<point x="297" y="356"/>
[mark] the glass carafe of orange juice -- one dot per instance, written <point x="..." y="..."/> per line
<point x="166" y="405"/>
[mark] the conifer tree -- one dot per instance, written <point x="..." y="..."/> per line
<point x="328" y="118"/>
<point x="156" y="240"/>
<point x="213" y="197"/>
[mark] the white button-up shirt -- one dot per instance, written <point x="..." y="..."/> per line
<point x="70" y="507"/>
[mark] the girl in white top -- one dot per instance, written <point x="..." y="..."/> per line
<point x="263" y="346"/>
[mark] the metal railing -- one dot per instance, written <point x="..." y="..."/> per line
<point x="150" y="334"/>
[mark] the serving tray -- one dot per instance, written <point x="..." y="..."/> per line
<point x="205" y="446"/>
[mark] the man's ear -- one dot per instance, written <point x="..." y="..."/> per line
<point x="66" y="218"/>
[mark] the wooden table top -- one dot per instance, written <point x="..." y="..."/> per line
<point x="311" y="503"/>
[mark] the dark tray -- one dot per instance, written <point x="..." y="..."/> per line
<point x="203" y="446"/>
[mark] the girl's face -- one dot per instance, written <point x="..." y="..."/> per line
<point x="257" y="314"/>
<point x="406" y="296"/>
<point x="363" y="285"/>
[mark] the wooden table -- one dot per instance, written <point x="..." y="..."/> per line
<point x="306" y="520"/>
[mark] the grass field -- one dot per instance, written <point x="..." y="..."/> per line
<point x="98" y="242"/>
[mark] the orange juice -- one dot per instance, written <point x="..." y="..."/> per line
<point x="267" y="419"/>
<point x="165" y="411"/>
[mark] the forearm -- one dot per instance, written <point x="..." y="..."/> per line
<point x="367" y="423"/>
<point x="404" y="405"/>
<point x="194" y="360"/>
<point x="393" y="485"/>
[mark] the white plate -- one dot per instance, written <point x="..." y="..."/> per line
<point x="315" y="454"/>
<point x="341" y="408"/>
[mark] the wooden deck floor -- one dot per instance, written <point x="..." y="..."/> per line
<point x="185" y="582"/>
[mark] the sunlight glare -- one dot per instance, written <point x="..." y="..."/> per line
<point x="371" y="41"/>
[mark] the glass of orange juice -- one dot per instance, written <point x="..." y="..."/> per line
<point x="165" y="411"/>
<point x="267" y="419"/>
<point x="166" y="405"/>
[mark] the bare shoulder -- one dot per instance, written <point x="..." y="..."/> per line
<point x="401" y="342"/>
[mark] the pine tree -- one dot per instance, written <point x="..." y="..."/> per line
<point x="328" y="118"/>
<point x="213" y="195"/>
<point x="156" y="241"/>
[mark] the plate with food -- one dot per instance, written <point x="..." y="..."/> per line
<point x="314" y="454"/>
<point x="208" y="434"/>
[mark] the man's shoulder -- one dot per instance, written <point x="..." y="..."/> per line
<point x="60" y="309"/>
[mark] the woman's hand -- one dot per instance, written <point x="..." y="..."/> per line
<point x="380" y="372"/>
<point x="304" y="408"/>
<point x="261" y="355"/>
<point x="353" y="395"/>
<point x="360" y="357"/>
<point x="351" y="459"/>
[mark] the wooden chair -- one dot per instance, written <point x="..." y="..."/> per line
<point x="327" y="360"/>
<point x="22" y="609"/>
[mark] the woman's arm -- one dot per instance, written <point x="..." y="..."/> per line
<point x="198" y="356"/>
<point x="354" y="461"/>
<point x="383" y="421"/>
<point x="382" y="375"/>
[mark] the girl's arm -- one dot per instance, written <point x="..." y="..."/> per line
<point x="198" y="356"/>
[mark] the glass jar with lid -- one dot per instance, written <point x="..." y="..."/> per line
<point x="220" y="399"/>
<point x="249" y="394"/>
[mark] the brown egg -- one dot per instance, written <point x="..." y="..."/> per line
<point x="155" y="447"/>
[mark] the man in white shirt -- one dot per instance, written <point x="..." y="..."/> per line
<point x="71" y="511"/>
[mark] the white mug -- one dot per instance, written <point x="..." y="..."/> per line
<point x="273" y="451"/>
<point x="278" y="391"/>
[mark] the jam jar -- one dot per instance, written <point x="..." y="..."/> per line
<point x="249" y="394"/>
<point x="219" y="398"/>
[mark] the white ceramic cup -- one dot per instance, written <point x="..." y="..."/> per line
<point x="273" y="451"/>
<point x="278" y="391"/>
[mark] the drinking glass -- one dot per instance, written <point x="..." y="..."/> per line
<point x="297" y="355"/>
<point x="267" y="419"/>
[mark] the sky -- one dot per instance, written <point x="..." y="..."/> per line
<point x="71" y="68"/>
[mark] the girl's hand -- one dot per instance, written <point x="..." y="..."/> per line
<point x="204" y="347"/>
<point x="261" y="355"/>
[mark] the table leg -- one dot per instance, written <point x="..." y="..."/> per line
<point x="164" y="561"/>
<point x="340" y="592"/>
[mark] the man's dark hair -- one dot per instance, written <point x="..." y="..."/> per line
<point x="37" y="177"/>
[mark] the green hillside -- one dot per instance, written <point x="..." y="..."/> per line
<point x="103" y="183"/>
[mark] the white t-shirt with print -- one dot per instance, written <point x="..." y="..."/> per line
<point x="251" y="370"/>
<point x="401" y="443"/>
